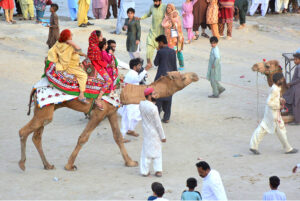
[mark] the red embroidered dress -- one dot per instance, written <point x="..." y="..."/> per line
<point x="94" y="54"/>
<point x="226" y="11"/>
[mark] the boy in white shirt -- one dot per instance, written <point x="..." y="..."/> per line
<point x="274" y="194"/>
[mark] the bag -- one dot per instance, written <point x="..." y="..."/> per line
<point x="49" y="2"/>
<point x="174" y="33"/>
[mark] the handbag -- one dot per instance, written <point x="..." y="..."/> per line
<point x="174" y="33"/>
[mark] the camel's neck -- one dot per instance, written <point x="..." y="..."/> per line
<point x="165" y="87"/>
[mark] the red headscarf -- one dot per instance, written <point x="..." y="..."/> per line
<point x="94" y="52"/>
<point x="64" y="35"/>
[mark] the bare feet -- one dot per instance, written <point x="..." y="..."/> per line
<point x="241" y="26"/>
<point x="158" y="174"/>
<point x="132" y="133"/>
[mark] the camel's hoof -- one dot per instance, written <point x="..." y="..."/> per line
<point x="132" y="164"/>
<point x="49" y="167"/>
<point x="70" y="167"/>
<point x="22" y="165"/>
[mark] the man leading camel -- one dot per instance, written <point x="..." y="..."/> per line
<point x="158" y="12"/>
<point x="292" y="95"/>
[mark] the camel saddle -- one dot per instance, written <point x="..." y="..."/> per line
<point x="68" y="83"/>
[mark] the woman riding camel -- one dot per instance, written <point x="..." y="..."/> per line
<point x="173" y="31"/>
<point x="95" y="55"/>
<point x="65" y="54"/>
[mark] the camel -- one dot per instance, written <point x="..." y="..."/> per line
<point x="165" y="86"/>
<point x="269" y="68"/>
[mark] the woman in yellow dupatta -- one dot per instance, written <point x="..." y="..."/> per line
<point x="173" y="31"/>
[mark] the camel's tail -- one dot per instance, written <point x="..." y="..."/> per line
<point x="30" y="100"/>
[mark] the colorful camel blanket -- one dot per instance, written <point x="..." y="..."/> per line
<point x="68" y="83"/>
<point x="46" y="94"/>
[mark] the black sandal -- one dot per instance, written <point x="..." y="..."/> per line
<point x="204" y="35"/>
<point x="196" y="36"/>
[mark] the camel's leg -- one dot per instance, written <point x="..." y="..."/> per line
<point x="41" y="117"/>
<point x="37" y="141"/>
<point x="113" y="120"/>
<point x="95" y="119"/>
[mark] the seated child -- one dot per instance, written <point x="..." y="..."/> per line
<point x="65" y="54"/>
<point x="159" y="191"/>
<point x="191" y="183"/>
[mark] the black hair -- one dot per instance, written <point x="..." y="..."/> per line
<point x="55" y="6"/>
<point x="162" y="38"/>
<point x="154" y="184"/>
<point x="159" y="190"/>
<point x="191" y="183"/>
<point x="297" y="55"/>
<point x="213" y="39"/>
<point x="134" y="62"/>
<point x="98" y="33"/>
<point x="277" y="77"/>
<point x="102" y="43"/>
<point x="274" y="182"/>
<point x="204" y="165"/>
<point x="109" y="42"/>
<point x="109" y="48"/>
<point x="130" y="10"/>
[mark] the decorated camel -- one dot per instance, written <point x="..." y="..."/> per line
<point x="269" y="68"/>
<point x="165" y="86"/>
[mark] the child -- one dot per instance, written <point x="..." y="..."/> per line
<point x="272" y="121"/>
<point x="27" y="8"/>
<point x="65" y="53"/>
<point x="242" y="6"/>
<point x="104" y="54"/>
<point x="214" y="69"/>
<point x="153" y="186"/>
<point x="133" y="28"/>
<point x="274" y="194"/>
<point x="212" y="17"/>
<point x="188" y="18"/>
<point x="53" y="28"/>
<point x="40" y="6"/>
<point x="159" y="191"/>
<point x="191" y="183"/>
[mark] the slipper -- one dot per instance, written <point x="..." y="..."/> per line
<point x="83" y="100"/>
<point x="204" y="35"/>
<point x="181" y="68"/>
<point x="197" y="37"/>
<point x="100" y="106"/>
<point x="132" y="133"/>
<point x="13" y="22"/>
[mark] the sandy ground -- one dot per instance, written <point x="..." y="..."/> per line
<point x="215" y="130"/>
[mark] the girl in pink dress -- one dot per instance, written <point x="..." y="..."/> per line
<point x="188" y="18"/>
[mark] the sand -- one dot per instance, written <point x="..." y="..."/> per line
<point x="214" y="130"/>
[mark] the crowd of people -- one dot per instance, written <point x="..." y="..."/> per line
<point x="165" y="36"/>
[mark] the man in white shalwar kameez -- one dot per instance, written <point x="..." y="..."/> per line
<point x="255" y="4"/>
<point x="272" y="121"/>
<point x="130" y="113"/>
<point x="124" y="5"/>
<point x="212" y="186"/>
<point x="153" y="135"/>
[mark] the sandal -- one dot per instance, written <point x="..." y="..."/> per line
<point x="204" y="35"/>
<point x="83" y="100"/>
<point x="197" y="37"/>
<point x="99" y="105"/>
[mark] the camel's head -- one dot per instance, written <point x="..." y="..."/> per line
<point x="267" y="67"/>
<point x="182" y="80"/>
